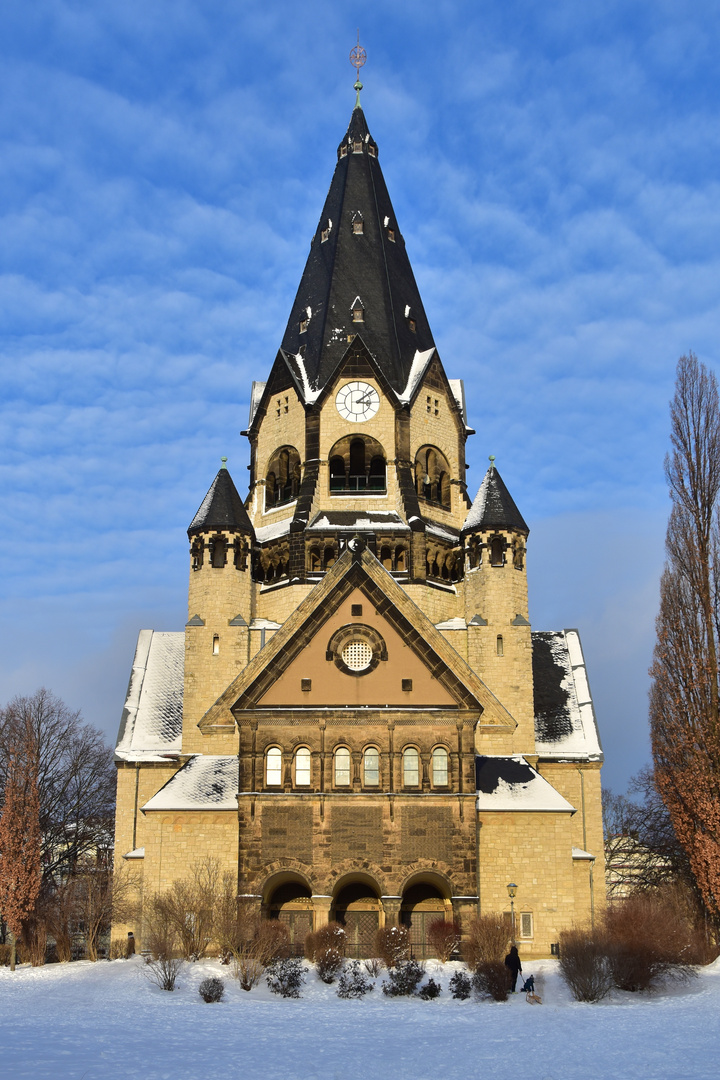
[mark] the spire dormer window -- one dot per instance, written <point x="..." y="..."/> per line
<point x="358" y="311"/>
<point x="357" y="146"/>
<point x="325" y="234"/>
<point x="357" y="223"/>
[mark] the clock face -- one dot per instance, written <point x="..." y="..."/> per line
<point x="357" y="401"/>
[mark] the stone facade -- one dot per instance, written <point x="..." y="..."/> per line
<point x="358" y="721"/>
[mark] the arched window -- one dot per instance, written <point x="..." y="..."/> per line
<point x="302" y="767"/>
<point x="342" y="767"/>
<point x="357" y="465"/>
<point x="218" y="548"/>
<point x="386" y="557"/>
<point x="497" y="551"/>
<point x="440" y="767"/>
<point x="314" y="560"/>
<point x="411" y="767"/>
<point x="432" y="476"/>
<point x="282" y="477"/>
<point x="273" y="767"/>
<point x="371" y="767"/>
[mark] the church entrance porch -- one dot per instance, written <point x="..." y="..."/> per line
<point x="291" y="904"/>
<point x="357" y="908"/>
<point x="422" y="904"/>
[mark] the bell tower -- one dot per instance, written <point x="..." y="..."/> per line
<point x="496" y="602"/>
<point x="219" y="607"/>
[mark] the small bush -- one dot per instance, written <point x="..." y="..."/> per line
<point x="328" y="962"/>
<point x="460" y="986"/>
<point x="491" y="980"/>
<point x="430" y="990"/>
<point x="584" y="964"/>
<point x="286" y="977"/>
<point x="354" y="983"/>
<point x="487" y="940"/>
<point x="373" y="966"/>
<point x="403" y="979"/>
<point x="444" y="937"/>
<point x="646" y="944"/>
<point x="163" y="970"/>
<point x="257" y="943"/>
<point x="392" y="945"/>
<point x="117" y="950"/>
<point x="211" y="989"/>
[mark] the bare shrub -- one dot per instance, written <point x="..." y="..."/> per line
<point x="118" y="950"/>
<point x="490" y="980"/>
<point x="189" y="907"/>
<point x="584" y="964"/>
<point x="373" y="966"/>
<point x="328" y="962"/>
<point x="392" y="945"/>
<point x="211" y="989"/>
<point x="163" y="970"/>
<point x="330" y="936"/>
<point x="257" y="943"/>
<point x="444" y="937"/>
<point x="225" y="929"/>
<point x="403" y="978"/>
<point x="5" y="955"/>
<point x="487" y="940"/>
<point x="354" y="983"/>
<point x="646" y="943"/>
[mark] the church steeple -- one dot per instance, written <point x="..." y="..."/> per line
<point x="357" y="253"/>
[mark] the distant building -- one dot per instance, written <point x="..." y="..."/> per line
<point x="357" y="719"/>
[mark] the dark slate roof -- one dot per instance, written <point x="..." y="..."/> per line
<point x="511" y="784"/>
<point x="494" y="507"/>
<point x="222" y="508"/>
<point x="348" y="265"/>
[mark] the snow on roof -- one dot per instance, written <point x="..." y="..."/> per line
<point x="309" y="393"/>
<point x="136" y="853"/>
<point x="458" y="391"/>
<point x="151" y="724"/>
<point x="417" y="369"/>
<point x="273" y="531"/>
<point x="256" y="393"/>
<point x="580" y="855"/>
<point x="205" y="782"/>
<point x="264" y="624"/>
<point x="458" y="623"/>
<point x="565" y="724"/>
<point x="444" y="534"/>
<point x="351" y="520"/>
<point x="510" y="783"/>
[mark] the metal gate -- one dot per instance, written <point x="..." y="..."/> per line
<point x="299" y="924"/>
<point x="360" y="929"/>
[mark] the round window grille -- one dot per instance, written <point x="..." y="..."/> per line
<point x="357" y="655"/>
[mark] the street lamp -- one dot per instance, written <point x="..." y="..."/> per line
<point x="512" y="889"/>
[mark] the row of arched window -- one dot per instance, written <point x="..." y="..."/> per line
<point x="343" y="767"/>
<point x="357" y="465"/>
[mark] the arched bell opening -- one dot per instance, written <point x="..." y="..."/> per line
<point x="291" y="904"/>
<point x="357" y="908"/>
<point x="357" y="466"/>
<point x="422" y="904"/>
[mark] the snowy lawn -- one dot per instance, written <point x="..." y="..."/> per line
<point x="86" y="1021"/>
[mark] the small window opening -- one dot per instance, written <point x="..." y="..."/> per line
<point x="391" y="235"/>
<point x="356" y="610"/>
<point x="303" y="325"/>
<point x="306" y="684"/>
<point x="358" y="314"/>
<point x="526" y="924"/>
<point x="407" y="685"/>
<point x="357" y="146"/>
<point x="216" y="645"/>
<point x="343" y="151"/>
<point x="342" y="767"/>
<point x="436" y="407"/>
<point x="357" y="223"/>
<point x="324" y="235"/>
<point x="411" y="325"/>
<point x="429" y="405"/>
<point x="499" y="645"/>
<point x="372" y="151"/>
<point x="497" y="551"/>
<point x="371" y="767"/>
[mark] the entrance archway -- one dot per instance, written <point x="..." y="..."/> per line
<point x="422" y="904"/>
<point x="291" y="904"/>
<point x="357" y="908"/>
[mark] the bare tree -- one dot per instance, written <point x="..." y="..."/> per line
<point x="685" y="690"/>
<point x="75" y="778"/>
<point x="20" y="874"/>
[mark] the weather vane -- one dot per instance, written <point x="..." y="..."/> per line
<point x="358" y="56"/>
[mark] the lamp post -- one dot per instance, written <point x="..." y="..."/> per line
<point x="512" y="889"/>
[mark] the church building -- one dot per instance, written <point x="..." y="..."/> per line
<point x="358" y="720"/>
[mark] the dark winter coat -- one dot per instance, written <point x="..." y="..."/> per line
<point x="512" y="961"/>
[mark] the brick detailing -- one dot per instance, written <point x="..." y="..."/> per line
<point x="426" y="832"/>
<point x="287" y="832"/>
<point x="356" y="832"/>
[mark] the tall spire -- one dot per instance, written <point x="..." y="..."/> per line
<point x="357" y="251"/>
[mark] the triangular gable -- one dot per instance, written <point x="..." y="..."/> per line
<point x="359" y="570"/>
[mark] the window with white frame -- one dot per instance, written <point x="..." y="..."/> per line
<point x="411" y="767"/>
<point x="342" y="767"/>
<point x="302" y="767"/>
<point x="273" y="767"/>
<point x="440" y="767"/>
<point x="371" y="767"/>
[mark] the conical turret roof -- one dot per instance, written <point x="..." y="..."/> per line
<point x="494" y="507"/>
<point x="222" y="508"/>
<point x="357" y="253"/>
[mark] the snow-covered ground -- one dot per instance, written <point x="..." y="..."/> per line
<point x="89" y="1021"/>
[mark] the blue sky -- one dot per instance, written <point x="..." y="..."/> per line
<point x="162" y="169"/>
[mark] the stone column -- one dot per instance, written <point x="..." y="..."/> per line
<point x="391" y="909"/>
<point x="321" y="911"/>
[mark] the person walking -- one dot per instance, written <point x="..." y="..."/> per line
<point x="512" y="963"/>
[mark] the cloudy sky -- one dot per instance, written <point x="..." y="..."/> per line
<point x="162" y="169"/>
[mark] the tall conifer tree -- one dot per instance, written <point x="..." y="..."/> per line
<point x="684" y="695"/>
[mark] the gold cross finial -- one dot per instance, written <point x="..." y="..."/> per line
<point x="358" y="56"/>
